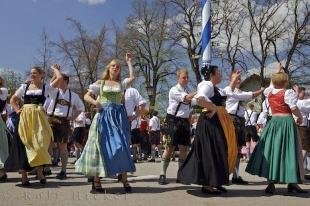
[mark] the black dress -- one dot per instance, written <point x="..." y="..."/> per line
<point x="206" y="163"/>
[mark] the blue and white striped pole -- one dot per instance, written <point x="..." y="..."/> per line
<point x="206" y="32"/>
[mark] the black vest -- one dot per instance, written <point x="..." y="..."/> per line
<point x="217" y="98"/>
<point x="34" y="99"/>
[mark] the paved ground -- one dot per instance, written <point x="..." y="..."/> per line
<point x="146" y="191"/>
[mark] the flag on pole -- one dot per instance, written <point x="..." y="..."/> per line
<point x="206" y="32"/>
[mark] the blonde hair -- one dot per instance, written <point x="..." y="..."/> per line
<point x="106" y="73"/>
<point x="280" y="80"/>
<point x="181" y="71"/>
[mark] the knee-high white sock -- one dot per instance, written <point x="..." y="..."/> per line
<point x="164" y="163"/>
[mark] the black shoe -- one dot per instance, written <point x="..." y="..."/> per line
<point x="97" y="189"/>
<point x="177" y="180"/>
<point x="127" y="188"/>
<point x="3" y="178"/>
<point x="239" y="181"/>
<point x="295" y="188"/>
<point x="210" y="191"/>
<point x="26" y="184"/>
<point x="270" y="189"/>
<point x="61" y="176"/>
<point x="162" y="180"/>
<point x="221" y="188"/>
<point x="151" y="160"/>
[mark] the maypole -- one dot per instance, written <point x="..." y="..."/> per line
<point x="206" y="32"/>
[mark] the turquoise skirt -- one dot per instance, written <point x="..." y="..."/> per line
<point x="277" y="155"/>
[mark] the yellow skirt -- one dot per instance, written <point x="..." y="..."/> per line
<point x="230" y="135"/>
<point x="36" y="134"/>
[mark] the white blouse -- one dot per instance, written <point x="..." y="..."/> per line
<point x="21" y="91"/>
<point x="94" y="88"/>
<point x="290" y="96"/>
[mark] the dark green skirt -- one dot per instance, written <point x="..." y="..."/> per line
<point x="276" y="156"/>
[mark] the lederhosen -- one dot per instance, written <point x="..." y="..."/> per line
<point x="177" y="129"/>
<point x="250" y="131"/>
<point x="304" y="132"/>
<point x="155" y="135"/>
<point x="60" y="125"/>
<point x="239" y="123"/>
<point x="135" y="134"/>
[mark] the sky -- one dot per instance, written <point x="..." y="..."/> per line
<point x="22" y="23"/>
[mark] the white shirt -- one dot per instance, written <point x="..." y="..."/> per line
<point x="233" y="99"/>
<point x="21" y="91"/>
<point x="154" y="123"/>
<point x="4" y="93"/>
<point x="304" y="108"/>
<point x="61" y="110"/>
<point x="290" y="96"/>
<point x="80" y="121"/>
<point x="250" y="117"/>
<point x="177" y="94"/>
<point x="135" y="124"/>
<point x="133" y="99"/>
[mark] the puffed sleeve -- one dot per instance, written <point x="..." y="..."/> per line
<point x="125" y="83"/>
<point x="206" y="90"/>
<point x="20" y="91"/>
<point x="290" y="98"/>
<point x="94" y="88"/>
<point x="268" y="89"/>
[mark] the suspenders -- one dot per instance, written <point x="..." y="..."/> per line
<point x="69" y="106"/>
<point x="249" y="117"/>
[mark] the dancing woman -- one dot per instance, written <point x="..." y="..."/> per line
<point x="277" y="156"/>
<point x="106" y="152"/>
<point x="33" y="128"/>
<point x="214" y="149"/>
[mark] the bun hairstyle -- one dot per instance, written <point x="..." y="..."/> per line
<point x="207" y="70"/>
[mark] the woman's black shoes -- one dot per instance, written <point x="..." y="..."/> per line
<point x="221" y="188"/>
<point x="295" y="188"/>
<point x="43" y="181"/>
<point x="270" y="189"/>
<point x="210" y="191"/>
<point x="97" y="188"/>
<point x="127" y="187"/>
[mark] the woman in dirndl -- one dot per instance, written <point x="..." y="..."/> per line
<point x="4" y="145"/>
<point x="106" y="152"/>
<point x="277" y="155"/>
<point x="214" y="149"/>
<point x="33" y="128"/>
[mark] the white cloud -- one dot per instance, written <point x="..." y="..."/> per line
<point x="93" y="2"/>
